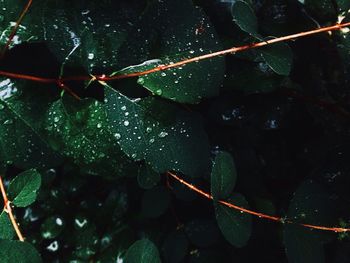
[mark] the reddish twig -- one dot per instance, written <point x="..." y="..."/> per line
<point x="232" y="50"/>
<point x="254" y="213"/>
<point x="8" y="210"/>
<point x="14" y="30"/>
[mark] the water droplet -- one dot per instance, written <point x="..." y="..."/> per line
<point x="126" y="123"/>
<point x="151" y="140"/>
<point x="99" y="125"/>
<point x="123" y="108"/>
<point x="162" y="134"/>
<point x="163" y="74"/>
<point x="117" y="136"/>
<point x="2" y="107"/>
<point x="141" y="81"/>
<point x="91" y="56"/>
<point x="59" y="221"/>
<point x="53" y="246"/>
<point x="159" y="92"/>
<point x="6" y="122"/>
<point x="56" y="119"/>
<point x="134" y="155"/>
<point x="148" y="129"/>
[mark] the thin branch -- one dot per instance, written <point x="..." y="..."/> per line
<point x="8" y="210"/>
<point x="254" y="213"/>
<point x="14" y="30"/>
<point x="232" y="50"/>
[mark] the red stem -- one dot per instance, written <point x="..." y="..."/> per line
<point x="14" y="30"/>
<point x="254" y="213"/>
<point x="232" y="50"/>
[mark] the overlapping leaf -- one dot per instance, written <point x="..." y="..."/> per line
<point x="159" y="132"/>
<point x="277" y="56"/>
<point x="310" y="205"/>
<point x="78" y="129"/>
<point x="21" y="140"/>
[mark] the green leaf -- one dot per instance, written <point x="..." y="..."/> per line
<point x="193" y="36"/>
<point x="244" y="16"/>
<point x="155" y="202"/>
<point x="6" y="228"/>
<point x="142" y="251"/>
<point x="21" y="117"/>
<point x="311" y="204"/>
<point x="223" y="176"/>
<point x="23" y="189"/>
<point x="279" y="57"/>
<point x="16" y="251"/>
<point x="79" y="130"/>
<point x="157" y="131"/>
<point x="343" y="5"/>
<point x="234" y="225"/>
<point x="147" y="177"/>
<point x="323" y="9"/>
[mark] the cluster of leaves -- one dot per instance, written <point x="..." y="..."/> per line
<point x="100" y="160"/>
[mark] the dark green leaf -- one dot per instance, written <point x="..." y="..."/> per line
<point x="16" y="251"/>
<point x="6" y="228"/>
<point x="21" y="117"/>
<point x="78" y="130"/>
<point x="168" y="139"/>
<point x="235" y="225"/>
<point x="223" y="176"/>
<point x="310" y="205"/>
<point x="343" y="5"/>
<point x="193" y="36"/>
<point x="142" y="251"/>
<point x="244" y="16"/>
<point x="23" y="189"/>
<point x="279" y="57"/>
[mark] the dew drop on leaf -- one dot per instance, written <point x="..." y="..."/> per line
<point x="141" y="81"/>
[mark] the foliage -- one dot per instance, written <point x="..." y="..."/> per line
<point x="265" y="130"/>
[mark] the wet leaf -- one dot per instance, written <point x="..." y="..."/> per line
<point x="23" y="189"/>
<point x="235" y="226"/>
<point x="167" y="140"/>
<point x="311" y="204"/>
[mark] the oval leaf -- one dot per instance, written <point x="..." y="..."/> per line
<point x="279" y="57"/>
<point x="244" y="16"/>
<point x="310" y="205"/>
<point x="223" y="176"/>
<point x="142" y="251"/>
<point x="234" y="225"/>
<point x="23" y="189"/>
